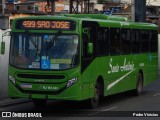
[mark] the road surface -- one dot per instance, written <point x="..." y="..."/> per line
<point x="120" y="105"/>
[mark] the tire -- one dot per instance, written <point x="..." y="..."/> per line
<point x="94" y="102"/>
<point x="139" y="85"/>
<point x="39" y="102"/>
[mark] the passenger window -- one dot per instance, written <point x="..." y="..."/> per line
<point x="153" y="41"/>
<point x="114" y="41"/>
<point x="103" y="41"/>
<point x="135" y="41"/>
<point x="144" y="41"/>
<point x="126" y="41"/>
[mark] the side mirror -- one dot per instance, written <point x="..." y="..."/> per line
<point x="7" y="33"/>
<point x="90" y="48"/>
<point x="2" y="48"/>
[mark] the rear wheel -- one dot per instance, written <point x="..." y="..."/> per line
<point x="139" y="85"/>
<point x="39" y="102"/>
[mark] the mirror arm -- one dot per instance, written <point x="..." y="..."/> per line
<point x="5" y="34"/>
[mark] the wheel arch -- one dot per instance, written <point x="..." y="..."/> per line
<point x="100" y="81"/>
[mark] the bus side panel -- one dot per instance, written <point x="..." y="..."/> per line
<point x="110" y="69"/>
<point x="124" y="81"/>
<point x="91" y="74"/>
<point x="121" y="70"/>
<point x="88" y="78"/>
<point x="150" y="68"/>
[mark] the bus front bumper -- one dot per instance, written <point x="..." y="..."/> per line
<point x="73" y="92"/>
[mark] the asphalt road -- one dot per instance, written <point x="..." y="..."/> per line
<point x="120" y="105"/>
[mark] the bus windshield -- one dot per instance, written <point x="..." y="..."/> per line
<point x="44" y="51"/>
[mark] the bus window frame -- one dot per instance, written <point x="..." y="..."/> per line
<point x="102" y="51"/>
<point x="143" y="46"/>
<point x="126" y="39"/>
<point x="134" y="36"/>
<point x="118" y="49"/>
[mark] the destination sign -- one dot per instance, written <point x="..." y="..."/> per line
<point x="46" y="24"/>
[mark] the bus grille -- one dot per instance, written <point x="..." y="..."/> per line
<point x="41" y="76"/>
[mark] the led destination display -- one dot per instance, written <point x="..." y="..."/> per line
<point x="46" y="24"/>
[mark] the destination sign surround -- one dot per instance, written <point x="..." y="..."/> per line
<point x="46" y="24"/>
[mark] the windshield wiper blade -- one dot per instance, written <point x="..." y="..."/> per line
<point x="32" y="41"/>
<point x="30" y="38"/>
<point x="53" y="39"/>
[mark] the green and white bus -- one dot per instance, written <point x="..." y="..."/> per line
<point x="80" y="57"/>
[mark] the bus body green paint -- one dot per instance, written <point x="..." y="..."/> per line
<point x="74" y="78"/>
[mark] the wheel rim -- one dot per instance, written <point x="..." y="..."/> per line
<point x="95" y="100"/>
<point x="139" y="87"/>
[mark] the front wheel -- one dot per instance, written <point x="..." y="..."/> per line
<point x="94" y="102"/>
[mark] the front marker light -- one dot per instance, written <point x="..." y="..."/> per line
<point x="71" y="82"/>
<point x="12" y="79"/>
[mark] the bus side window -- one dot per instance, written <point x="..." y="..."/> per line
<point x="153" y="41"/>
<point x="126" y="41"/>
<point x="114" y="41"/>
<point x="103" y="41"/>
<point x="135" y="41"/>
<point x="144" y="41"/>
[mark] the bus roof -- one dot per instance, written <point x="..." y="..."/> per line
<point x="103" y="20"/>
<point x="112" y="20"/>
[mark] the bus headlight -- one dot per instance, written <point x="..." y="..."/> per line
<point x="12" y="79"/>
<point x="71" y="82"/>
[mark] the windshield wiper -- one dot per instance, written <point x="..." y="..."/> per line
<point x="30" y="38"/>
<point x="53" y="39"/>
<point x="32" y="41"/>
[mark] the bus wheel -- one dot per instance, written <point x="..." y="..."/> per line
<point x="139" y="85"/>
<point x="39" y="102"/>
<point x="94" y="102"/>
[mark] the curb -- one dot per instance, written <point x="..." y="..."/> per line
<point x="9" y="102"/>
